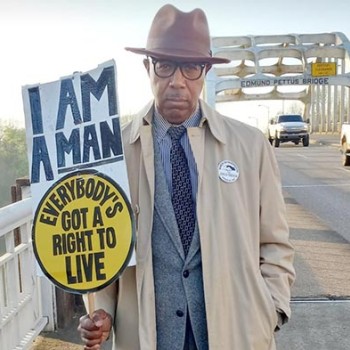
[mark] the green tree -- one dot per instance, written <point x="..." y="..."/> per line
<point x="13" y="159"/>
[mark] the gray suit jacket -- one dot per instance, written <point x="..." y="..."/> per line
<point x="178" y="280"/>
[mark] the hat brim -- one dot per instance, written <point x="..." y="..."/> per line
<point x="177" y="55"/>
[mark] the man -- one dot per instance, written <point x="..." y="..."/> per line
<point x="214" y="262"/>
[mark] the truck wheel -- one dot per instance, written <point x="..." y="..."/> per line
<point x="345" y="158"/>
<point x="277" y="142"/>
<point x="306" y="141"/>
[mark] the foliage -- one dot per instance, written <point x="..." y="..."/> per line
<point x="13" y="159"/>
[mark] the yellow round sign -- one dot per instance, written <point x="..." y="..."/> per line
<point x="83" y="232"/>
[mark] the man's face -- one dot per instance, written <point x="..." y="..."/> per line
<point x="176" y="97"/>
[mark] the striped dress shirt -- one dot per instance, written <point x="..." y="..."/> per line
<point x="161" y="127"/>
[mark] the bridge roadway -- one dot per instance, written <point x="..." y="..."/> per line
<point x="320" y="296"/>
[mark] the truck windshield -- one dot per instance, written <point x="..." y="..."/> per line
<point x="290" y="118"/>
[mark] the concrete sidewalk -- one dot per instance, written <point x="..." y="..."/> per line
<point x="322" y="325"/>
<point x="321" y="294"/>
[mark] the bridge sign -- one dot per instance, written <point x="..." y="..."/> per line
<point x="322" y="69"/>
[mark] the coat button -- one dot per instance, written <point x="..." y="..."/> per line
<point x="185" y="273"/>
<point x="179" y="313"/>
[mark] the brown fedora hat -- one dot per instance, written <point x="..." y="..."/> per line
<point x="179" y="35"/>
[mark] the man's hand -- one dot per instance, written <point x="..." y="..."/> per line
<point x="95" y="330"/>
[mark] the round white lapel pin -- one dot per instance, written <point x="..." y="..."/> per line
<point x="228" y="171"/>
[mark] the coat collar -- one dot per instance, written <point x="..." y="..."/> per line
<point x="209" y="115"/>
<point x="214" y="120"/>
<point x="144" y="117"/>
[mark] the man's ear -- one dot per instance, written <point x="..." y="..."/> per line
<point x="146" y="64"/>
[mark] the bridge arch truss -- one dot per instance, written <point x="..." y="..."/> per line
<point x="286" y="67"/>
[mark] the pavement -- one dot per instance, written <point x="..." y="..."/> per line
<point x="320" y="296"/>
<point x="331" y="139"/>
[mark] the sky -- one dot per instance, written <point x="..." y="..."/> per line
<point x="44" y="40"/>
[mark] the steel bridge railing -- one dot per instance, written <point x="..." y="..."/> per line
<point x="21" y="315"/>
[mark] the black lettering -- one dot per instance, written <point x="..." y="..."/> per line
<point x="49" y="209"/>
<point x="100" y="232"/>
<point x="57" y="244"/>
<point x="48" y="220"/>
<point x="71" y="279"/>
<point x="40" y="155"/>
<point x="99" y="189"/>
<point x="65" y="221"/>
<point x="111" y="238"/>
<point x="97" y="217"/>
<point x="107" y="236"/>
<point x="35" y="110"/>
<point x="76" y="220"/>
<point x="107" y="195"/>
<point x="80" y="187"/>
<point x="96" y="88"/>
<point x="111" y="211"/>
<point x="111" y="140"/>
<point x="86" y="264"/>
<point x="89" y="187"/>
<point x="90" y="142"/>
<point x="99" y="266"/>
<point x="56" y="201"/>
<point x="71" y="242"/>
<point x="64" y="146"/>
<point x="63" y="194"/>
<point x="67" y="98"/>
<point x="88" y="235"/>
<point x="70" y="187"/>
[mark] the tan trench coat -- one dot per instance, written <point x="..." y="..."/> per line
<point x="246" y="253"/>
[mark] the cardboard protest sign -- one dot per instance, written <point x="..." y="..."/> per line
<point x="83" y="227"/>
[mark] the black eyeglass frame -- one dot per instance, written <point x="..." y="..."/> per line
<point x="176" y="66"/>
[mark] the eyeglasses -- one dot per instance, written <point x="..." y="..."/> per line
<point x="165" y="69"/>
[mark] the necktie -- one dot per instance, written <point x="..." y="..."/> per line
<point x="181" y="187"/>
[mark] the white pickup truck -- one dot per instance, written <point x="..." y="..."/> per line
<point x="288" y="127"/>
<point x="345" y="143"/>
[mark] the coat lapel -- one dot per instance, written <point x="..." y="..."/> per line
<point x="194" y="247"/>
<point x="163" y="203"/>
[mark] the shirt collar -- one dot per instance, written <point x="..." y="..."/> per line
<point x="216" y="124"/>
<point x="161" y="125"/>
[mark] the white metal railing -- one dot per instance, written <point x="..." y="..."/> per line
<point x="21" y="294"/>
